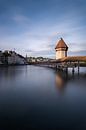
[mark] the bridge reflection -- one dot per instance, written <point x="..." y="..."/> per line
<point x="63" y="77"/>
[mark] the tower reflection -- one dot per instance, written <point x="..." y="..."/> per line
<point x="61" y="80"/>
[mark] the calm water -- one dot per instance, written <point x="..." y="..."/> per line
<point x="37" y="97"/>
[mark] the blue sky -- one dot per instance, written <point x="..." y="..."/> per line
<point x="33" y="27"/>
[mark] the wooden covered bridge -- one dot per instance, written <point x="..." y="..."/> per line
<point x="65" y="63"/>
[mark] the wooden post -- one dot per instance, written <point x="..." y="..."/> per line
<point x="73" y="71"/>
<point x="66" y="72"/>
<point x="56" y="66"/>
<point x="78" y="67"/>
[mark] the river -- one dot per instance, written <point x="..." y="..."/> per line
<point x="36" y="97"/>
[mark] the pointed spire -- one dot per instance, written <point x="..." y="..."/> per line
<point x="61" y="44"/>
<point x="61" y="38"/>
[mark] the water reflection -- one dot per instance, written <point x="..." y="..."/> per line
<point x="9" y="76"/>
<point x="61" y="80"/>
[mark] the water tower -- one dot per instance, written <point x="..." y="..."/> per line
<point x="61" y="49"/>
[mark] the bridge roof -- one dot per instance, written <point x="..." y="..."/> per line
<point x="61" y="44"/>
<point x="73" y="59"/>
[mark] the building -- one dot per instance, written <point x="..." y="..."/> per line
<point x="37" y="59"/>
<point x="0" y="57"/>
<point x="15" y="58"/>
<point x="61" y="49"/>
<point x="11" y="58"/>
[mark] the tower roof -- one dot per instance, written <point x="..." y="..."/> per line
<point x="61" y="44"/>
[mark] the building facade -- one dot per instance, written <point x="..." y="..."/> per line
<point x="11" y="58"/>
<point x="15" y="58"/>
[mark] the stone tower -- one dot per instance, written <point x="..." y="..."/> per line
<point x="61" y="49"/>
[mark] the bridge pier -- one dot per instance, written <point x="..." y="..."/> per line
<point x="78" y="67"/>
<point x="73" y="71"/>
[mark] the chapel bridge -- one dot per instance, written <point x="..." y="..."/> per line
<point x="63" y="61"/>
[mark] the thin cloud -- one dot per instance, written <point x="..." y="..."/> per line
<point x="20" y="18"/>
<point x="78" y="53"/>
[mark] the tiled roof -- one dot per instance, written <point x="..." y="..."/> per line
<point x="70" y="59"/>
<point x="61" y="44"/>
<point x="74" y="58"/>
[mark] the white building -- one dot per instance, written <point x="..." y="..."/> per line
<point x="15" y="58"/>
<point x="61" y="49"/>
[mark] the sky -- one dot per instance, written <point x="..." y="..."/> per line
<point x="33" y="27"/>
